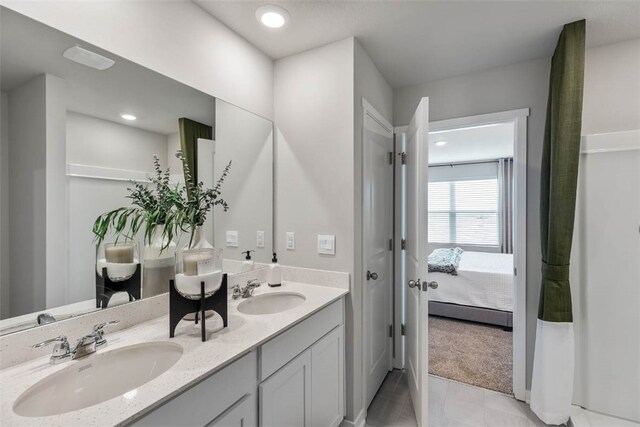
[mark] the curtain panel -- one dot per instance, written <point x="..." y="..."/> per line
<point x="553" y="360"/>
<point x="190" y="132"/>
<point x="505" y="180"/>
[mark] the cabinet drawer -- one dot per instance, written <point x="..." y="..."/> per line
<point x="202" y="403"/>
<point x="283" y="348"/>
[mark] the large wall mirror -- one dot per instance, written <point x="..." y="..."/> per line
<point x="79" y="127"/>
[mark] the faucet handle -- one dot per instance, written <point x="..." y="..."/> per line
<point x="61" y="339"/>
<point x="100" y="326"/>
<point x="253" y="283"/>
<point x="60" y="350"/>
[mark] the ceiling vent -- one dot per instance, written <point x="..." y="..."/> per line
<point x="88" y="58"/>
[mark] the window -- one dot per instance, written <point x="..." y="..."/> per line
<point x="464" y="212"/>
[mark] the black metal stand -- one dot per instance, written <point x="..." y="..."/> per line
<point x="105" y="288"/>
<point x="179" y="306"/>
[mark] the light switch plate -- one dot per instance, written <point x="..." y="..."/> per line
<point x="260" y="239"/>
<point x="232" y="239"/>
<point x="326" y="244"/>
<point x="291" y="241"/>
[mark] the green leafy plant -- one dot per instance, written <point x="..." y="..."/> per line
<point x="157" y="203"/>
<point x="193" y="210"/>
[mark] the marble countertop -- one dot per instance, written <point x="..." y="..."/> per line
<point x="199" y="360"/>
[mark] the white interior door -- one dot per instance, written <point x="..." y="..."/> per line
<point x="416" y="345"/>
<point x="378" y="253"/>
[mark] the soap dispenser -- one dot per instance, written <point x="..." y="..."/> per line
<point x="247" y="264"/>
<point x="275" y="276"/>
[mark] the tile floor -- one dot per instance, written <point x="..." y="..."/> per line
<point x="450" y="404"/>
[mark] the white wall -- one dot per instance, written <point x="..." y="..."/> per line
<point x="605" y="275"/>
<point x="606" y="299"/>
<point x="315" y="155"/>
<point x="56" y="192"/>
<point x="27" y="196"/>
<point x="247" y="140"/>
<point x="611" y="102"/>
<point x="612" y="88"/>
<point x="371" y="85"/>
<point x="4" y="212"/>
<point x="318" y="117"/>
<point x="101" y="143"/>
<point x="175" y="38"/>
<point x="97" y="142"/>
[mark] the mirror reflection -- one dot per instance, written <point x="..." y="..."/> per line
<point x="81" y="129"/>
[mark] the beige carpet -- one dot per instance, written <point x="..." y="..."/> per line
<point x="471" y="353"/>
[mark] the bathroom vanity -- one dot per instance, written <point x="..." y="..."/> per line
<point x="283" y="367"/>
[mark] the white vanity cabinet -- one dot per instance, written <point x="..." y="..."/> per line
<point x="301" y="373"/>
<point x="295" y="379"/>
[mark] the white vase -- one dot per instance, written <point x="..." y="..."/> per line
<point x="158" y="263"/>
<point x="199" y="240"/>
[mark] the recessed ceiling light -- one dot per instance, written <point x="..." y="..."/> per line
<point x="272" y="16"/>
<point x="129" y="117"/>
<point x="441" y="143"/>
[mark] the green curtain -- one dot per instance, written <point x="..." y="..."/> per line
<point x="190" y="131"/>
<point x="559" y="174"/>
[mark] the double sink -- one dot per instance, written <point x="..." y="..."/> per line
<point x="92" y="381"/>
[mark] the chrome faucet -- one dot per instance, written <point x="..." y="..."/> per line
<point x="246" y="291"/>
<point x="85" y="346"/>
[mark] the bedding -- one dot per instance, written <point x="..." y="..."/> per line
<point x="445" y="260"/>
<point x="483" y="280"/>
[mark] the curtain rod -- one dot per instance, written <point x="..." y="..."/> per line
<point x="478" y="162"/>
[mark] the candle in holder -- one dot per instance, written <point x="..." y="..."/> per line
<point x="197" y="262"/>
<point x="120" y="253"/>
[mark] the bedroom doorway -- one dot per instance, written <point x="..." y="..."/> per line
<point x="477" y="219"/>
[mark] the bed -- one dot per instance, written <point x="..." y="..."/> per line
<point x="481" y="292"/>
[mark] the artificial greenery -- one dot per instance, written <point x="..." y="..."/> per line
<point x="161" y="204"/>
<point x="192" y="211"/>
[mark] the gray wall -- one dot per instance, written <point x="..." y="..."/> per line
<point x="507" y="88"/>
<point x="175" y="38"/>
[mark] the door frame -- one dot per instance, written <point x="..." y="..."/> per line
<point x="519" y="119"/>
<point x="369" y="110"/>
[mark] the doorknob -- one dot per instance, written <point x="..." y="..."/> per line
<point x="413" y="283"/>
<point x="433" y="285"/>
<point x="372" y="276"/>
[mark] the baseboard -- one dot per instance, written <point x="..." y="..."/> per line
<point x="359" y="421"/>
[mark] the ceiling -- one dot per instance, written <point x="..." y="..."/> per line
<point x="486" y="142"/>
<point x="29" y="49"/>
<point x="413" y="42"/>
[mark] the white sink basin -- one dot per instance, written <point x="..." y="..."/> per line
<point x="98" y="378"/>
<point x="271" y="303"/>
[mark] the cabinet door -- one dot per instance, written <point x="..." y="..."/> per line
<point x="285" y="397"/>
<point x="242" y="414"/>
<point x="327" y="380"/>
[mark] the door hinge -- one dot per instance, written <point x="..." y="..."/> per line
<point x="403" y="158"/>
<point x="390" y="331"/>
<point x="403" y="244"/>
<point x="390" y="244"/>
<point x="515" y="271"/>
<point x="390" y="157"/>
<point x="403" y="329"/>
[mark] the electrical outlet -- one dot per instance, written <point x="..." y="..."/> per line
<point x="232" y="239"/>
<point x="291" y="241"/>
<point x="260" y="239"/>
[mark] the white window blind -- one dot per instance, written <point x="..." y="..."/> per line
<point x="464" y="211"/>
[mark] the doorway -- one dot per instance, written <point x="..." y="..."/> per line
<point x="477" y="202"/>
